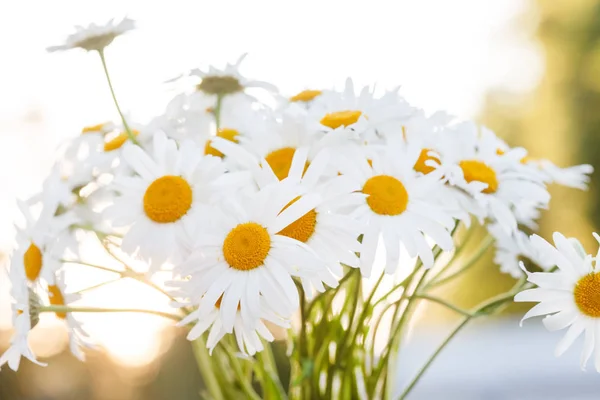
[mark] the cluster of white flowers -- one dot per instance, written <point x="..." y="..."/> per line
<point x="244" y="203"/>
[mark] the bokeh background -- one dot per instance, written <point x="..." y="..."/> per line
<point x="528" y="69"/>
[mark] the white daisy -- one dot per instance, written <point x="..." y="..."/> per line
<point x="240" y="254"/>
<point x="95" y="37"/>
<point x="399" y="205"/>
<point x="39" y="247"/>
<point x="512" y="249"/>
<point x="498" y="181"/>
<point x="248" y="334"/>
<point x="58" y="296"/>
<point x="569" y="297"/>
<point x="25" y="317"/>
<point x="169" y="186"/>
<point x="366" y="115"/>
<point x="326" y="229"/>
<point x="577" y="176"/>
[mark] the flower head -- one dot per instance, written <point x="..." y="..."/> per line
<point x="95" y="37"/>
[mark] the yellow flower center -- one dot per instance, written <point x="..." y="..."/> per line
<point x="32" y="259"/>
<point x="93" y="128"/>
<point x="420" y="165"/>
<point x="246" y="246"/>
<point x="57" y="299"/>
<point x="387" y="195"/>
<point x="167" y="199"/>
<point x="280" y="161"/>
<point x="341" y="118"/>
<point x="225" y="133"/>
<point x="305" y="95"/>
<point x="474" y="170"/>
<point x="118" y="141"/>
<point x="587" y="295"/>
<point x="303" y="228"/>
<point x="220" y="85"/>
<point x="500" y="152"/>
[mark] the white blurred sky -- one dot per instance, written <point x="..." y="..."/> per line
<point x="445" y="55"/>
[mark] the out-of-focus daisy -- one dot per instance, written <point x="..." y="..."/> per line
<point x="248" y="334"/>
<point x="95" y="37"/>
<point x="570" y="296"/>
<point x="512" y="249"/>
<point x="58" y="296"/>
<point x="38" y="251"/>
<point x="398" y="205"/>
<point x="169" y="185"/>
<point x="25" y="317"/>
<point x="366" y="115"/>
<point x="305" y="96"/>
<point x="240" y="254"/>
<point x="498" y="182"/>
<point x="577" y="176"/>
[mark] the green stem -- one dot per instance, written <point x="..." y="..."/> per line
<point x="218" y="111"/>
<point x="67" y="309"/>
<point x="270" y="368"/>
<point x="443" y="303"/>
<point x="112" y="92"/>
<point x="237" y="369"/>
<point x="441" y="347"/>
<point x="470" y="263"/>
<point x="206" y="369"/>
<point x="99" y="285"/>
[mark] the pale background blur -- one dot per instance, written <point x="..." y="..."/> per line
<point x="528" y="69"/>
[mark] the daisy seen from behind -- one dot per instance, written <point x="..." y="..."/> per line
<point x="95" y="37"/>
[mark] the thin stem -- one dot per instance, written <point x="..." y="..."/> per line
<point x="99" y="285"/>
<point x="100" y="267"/>
<point x="443" y="303"/>
<point x="112" y="92"/>
<point x="270" y="367"/>
<point x="206" y="369"/>
<point x="433" y="357"/>
<point x="237" y="369"/>
<point x="218" y="111"/>
<point x="67" y="309"/>
<point x="470" y="263"/>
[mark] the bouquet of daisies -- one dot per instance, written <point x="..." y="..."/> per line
<point x="322" y="221"/>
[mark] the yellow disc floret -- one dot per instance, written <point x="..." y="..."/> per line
<point x="341" y="118"/>
<point x="587" y="295"/>
<point x="303" y="228"/>
<point x="280" y="161"/>
<point x="246" y="246"/>
<point x="305" y="95"/>
<point x="225" y="133"/>
<point x="387" y="195"/>
<point x="94" y="128"/>
<point x="167" y="199"/>
<point x="474" y="170"/>
<point x="56" y="299"/>
<point x="420" y="165"/>
<point x="32" y="259"/>
<point x="118" y="141"/>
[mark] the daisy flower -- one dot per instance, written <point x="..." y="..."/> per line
<point x="498" y="181"/>
<point x="512" y="249"/>
<point x="95" y="37"/>
<point x="239" y="254"/>
<point x="577" y="176"/>
<point x="569" y="296"/>
<point x="58" y="296"/>
<point x="25" y="318"/>
<point x="169" y="186"/>
<point x="38" y="252"/>
<point x="399" y="206"/>
<point x="326" y="229"/>
<point x="248" y="334"/>
<point x="366" y="115"/>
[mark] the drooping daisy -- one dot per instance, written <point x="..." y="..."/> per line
<point x="512" y="249"/>
<point x="58" y="296"/>
<point x="569" y="297"/>
<point x="240" y="254"/>
<point x="399" y="206"/>
<point x="95" y="37"/>
<point x="498" y="182"/>
<point x="24" y="317"/>
<point x="169" y="185"/>
<point x="248" y="334"/>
